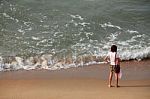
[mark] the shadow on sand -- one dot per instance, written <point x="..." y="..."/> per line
<point x="135" y="86"/>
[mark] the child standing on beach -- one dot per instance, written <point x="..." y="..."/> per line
<point x="114" y="60"/>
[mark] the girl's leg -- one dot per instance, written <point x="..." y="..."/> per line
<point x="110" y="78"/>
<point x="116" y="76"/>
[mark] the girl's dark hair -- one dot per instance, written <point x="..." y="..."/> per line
<point x="113" y="48"/>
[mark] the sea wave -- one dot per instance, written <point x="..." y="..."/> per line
<point x="50" y="62"/>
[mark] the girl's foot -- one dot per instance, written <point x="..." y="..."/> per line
<point x="109" y="86"/>
<point x="117" y="86"/>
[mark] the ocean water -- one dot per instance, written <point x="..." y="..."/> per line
<point x="55" y="34"/>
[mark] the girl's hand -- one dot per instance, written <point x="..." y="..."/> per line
<point x="106" y="59"/>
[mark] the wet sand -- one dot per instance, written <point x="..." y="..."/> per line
<point x="88" y="82"/>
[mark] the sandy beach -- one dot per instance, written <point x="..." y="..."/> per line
<point x="87" y="82"/>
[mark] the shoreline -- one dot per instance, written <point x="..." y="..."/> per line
<point x="132" y="70"/>
<point x="45" y="61"/>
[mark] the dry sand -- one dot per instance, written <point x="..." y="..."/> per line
<point x="89" y="82"/>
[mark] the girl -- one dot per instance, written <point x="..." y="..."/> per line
<point x="114" y="60"/>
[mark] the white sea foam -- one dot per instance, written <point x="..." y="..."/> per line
<point x="136" y="54"/>
<point x="35" y="38"/>
<point x="21" y="31"/>
<point x="89" y="34"/>
<point x="123" y="43"/>
<point x="27" y="23"/>
<point x="29" y="29"/>
<point x="77" y="16"/>
<point x="110" y="25"/>
<point x="132" y="32"/>
<point x="7" y="16"/>
<point x="84" y="24"/>
<point x="113" y="36"/>
<point x="139" y="36"/>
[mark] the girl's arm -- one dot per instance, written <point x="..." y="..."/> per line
<point x="106" y="59"/>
